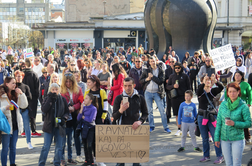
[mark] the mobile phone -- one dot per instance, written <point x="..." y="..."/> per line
<point x="125" y="100"/>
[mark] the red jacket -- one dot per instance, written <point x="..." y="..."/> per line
<point x="77" y="99"/>
<point x="118" y="86"/>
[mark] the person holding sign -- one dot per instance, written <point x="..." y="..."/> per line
<point x="127" y="107"/>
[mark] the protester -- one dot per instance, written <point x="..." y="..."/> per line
<point x="125" y="64"/>
<point x="70" y="90"/>
<point x="19" y="75"/>
<point x="96" y="70"/>
<point x="207" y="115"/>
<point x="31" y="79"/>
<point x="93" y="84"/>
<point x="82" y="69"/>
<point x="105" y="76"/>
<point x="8" y="92"/>
<point x="186" y="57"/>
<point x="86" y="119"/>
<point x="208" y="69"/>
<point x="37" y="67"/>
<point x="192" y="74"/>
<point x="117" y="86"/>
<point x="178" y="82"/>
<point x="56" y="112"/>
<point x="187" y="115"/>
<point x="152" y="80"/>
<point x="233" y="117"/>
<point x="81" y="84"/>
<point x="129" y="113"/>
<point x="51" y="60"/>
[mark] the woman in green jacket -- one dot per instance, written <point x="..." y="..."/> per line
<point x="233" y="117"/>
<point x="246" y="95"/>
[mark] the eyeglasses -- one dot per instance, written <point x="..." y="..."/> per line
<point x="68" y="74"/>
<point x="207" y="60"/>
<point x="177" y="67"/>
<point x="36" y="61"/>
<point x="239" y="61"/>
<point x="172" y="61"/>
<point x="44" y="72"/>
<point x="137" y="61"/>
<point x="72" y="64"/>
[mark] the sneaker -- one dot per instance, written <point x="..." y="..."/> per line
<point x="42" y="123"/>
<point x="35" y="134"/>
<point x="167" y="130"/>
<point x="23" y="134"/>
<point x="93" y="164"/>
<point x="197" y="149"/>
<point x="71" y="162"/>
<point x="100" y="164"/>
<point x="210" y="139"/>
<point x="181" y="149"/>
<point x="219" y="160"/>
<point x="63" y="163"/>
<point x="205" y="159"/>
<point x="79" y="159"/>
<point x="248" y="141"/>
<point x="85" y="164"/>
<point x="151" y="129"/>
<point x="51" y="162"/>
<point x="188" y="134"/>
<point x="29" y="146"/>
<point x="178" y="133"/>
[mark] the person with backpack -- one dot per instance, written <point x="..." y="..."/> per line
<point x="128" y="113"/>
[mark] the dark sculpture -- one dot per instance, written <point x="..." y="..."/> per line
<point x="186" y="25"/>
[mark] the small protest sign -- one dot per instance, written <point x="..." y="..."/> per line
<point x="122" y="144"/>
<point x="29" y="53"/>
<point x="223" y="57"/>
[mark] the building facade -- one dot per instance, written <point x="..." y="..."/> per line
<point x="30" y="13"/>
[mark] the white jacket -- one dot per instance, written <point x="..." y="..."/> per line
<point x="22" y="103"/>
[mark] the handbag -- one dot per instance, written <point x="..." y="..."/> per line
<point x="173" y="93"/>
<point x="110" y="97"/>
<point x="213" y="109"/>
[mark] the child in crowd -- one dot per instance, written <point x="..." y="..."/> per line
<point x="186" y="69"/>
<point x="187" y="114"/>
<point x="86" y="119"/>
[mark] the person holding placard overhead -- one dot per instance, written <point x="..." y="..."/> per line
<point x="127" y="107"/>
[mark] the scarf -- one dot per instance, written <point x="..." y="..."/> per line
<point x="234" y="105"/>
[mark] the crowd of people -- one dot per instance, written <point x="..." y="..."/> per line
<point x="81" y="88"/>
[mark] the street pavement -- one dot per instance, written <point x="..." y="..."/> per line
<point x="163" y="148"/>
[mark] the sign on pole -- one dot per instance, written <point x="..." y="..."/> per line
<point x="28" y="53"/>
<point x="223" y="57"/>
<point x="122" y="144"/>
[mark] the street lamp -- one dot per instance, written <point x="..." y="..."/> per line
<point x="104" y="3"/>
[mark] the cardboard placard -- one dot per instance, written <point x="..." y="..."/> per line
<point x="28" y="53"/>
<point x="122" y="144"/>
<point x="223" y="57"/>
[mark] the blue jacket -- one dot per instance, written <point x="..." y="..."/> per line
<point x="187" y="113"/>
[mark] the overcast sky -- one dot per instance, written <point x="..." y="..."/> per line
<point x="13" y="1"/>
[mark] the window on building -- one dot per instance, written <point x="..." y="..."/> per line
<point x="21" y="9"/>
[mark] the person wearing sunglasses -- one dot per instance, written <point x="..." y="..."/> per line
<point x="207" y="69"/>
<point x="239" y="55"/>
<point x="135" y="73"/>
<point x="70" y="90"/>
<point x="181" y="82"/>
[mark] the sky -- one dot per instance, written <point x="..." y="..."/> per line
<point x="13" y="1"/>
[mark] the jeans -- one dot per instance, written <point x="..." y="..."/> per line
<point x="205" y="138"/>
<point x="88" y="145"/>
<point x="9" y="141"/>
<point x="149" y="97"/>
<point x="69" y="133"/>
<point x="26" y="121"/>
<point x="46" y="147"/>
<point x="77" y="140"/>
<point x="232" y="151"/>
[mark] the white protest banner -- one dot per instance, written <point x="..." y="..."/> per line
<point x="122" y="144"/>
<point x="223" y="57"/>
<point x="29" y="53"/>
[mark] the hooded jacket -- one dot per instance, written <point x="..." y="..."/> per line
<point x="183" y="79"/>
<point x="158" y="80"/>
<point x="136" y="103"/>
<point x="31" y="79"/>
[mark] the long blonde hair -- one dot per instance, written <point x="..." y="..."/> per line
<point x="54" y="74"/>
<point x="74" y="88"/>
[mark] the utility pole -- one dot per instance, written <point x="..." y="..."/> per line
<point x="227" y="21"/>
